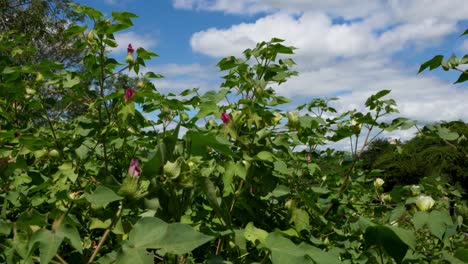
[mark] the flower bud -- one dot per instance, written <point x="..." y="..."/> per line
<point x="276" y="118"/>
<point x="226" y="118"/>
<point x="378" y="183"/>
<point x="415" y="190"/>
<point x="129" y="59"/>
<point x="90" y="37"/>
<point x="129" y="93"/>
<point x="184" y="117"/>
<point x="134" y="170"/>
<point x="293" y="118"/>
<point x="424" y="203"/>
<point x="385" y="197"/>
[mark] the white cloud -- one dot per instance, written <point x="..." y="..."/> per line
<point x="464" y="46"/>
<point x="353" y="57"/>
<point x="146" y="41"/>
<point x="316" y="36"/>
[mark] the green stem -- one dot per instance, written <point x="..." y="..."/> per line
<point x="106" y="234"/>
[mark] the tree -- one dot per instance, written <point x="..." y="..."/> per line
<point x="42" y="25"/>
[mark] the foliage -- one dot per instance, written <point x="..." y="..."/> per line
<point x="217" y="177"/>
<point x="452" y="63"/>
<point x="427" y="154"/>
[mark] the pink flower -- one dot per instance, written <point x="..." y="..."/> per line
<point x="129" y="59"/>
<point x="309" y="158"/>
<point x="134" y="169"/>
<point x="130" y="49"/>
<point x="129" y="93"/>
<point x="226" y="118"/>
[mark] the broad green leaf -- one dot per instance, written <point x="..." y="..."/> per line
<point x="397" y="213"/>
<point x="5" y="227"/>
<point x="252" y="234"/>
<point x="175" y="238"/>
<point x="82" y="152"/>
<point x="420" y="218"/>
<point x="446" y="134"/>
<point x="285" y="251"/>
<point x="438" y="222"/>
<point x="70" y="232"/>
<point x="47" y="242"/>
<point x="154" y="166"/>
<point x="432" y="63"/>
<point x="300" y="218"/>
<point x="134" y="256"/>
<point x="200" y="142"/>
<point x="462" y="254"/>
<point x="265" y="156"/>
<point x="173" y="169"/>
<point x="395" y="241"/>
<point x="70" y="81"/>
<point x="462" y="78"/>
<point x="128" y="109"/>
<point x="66" y="170"/>
<point x="102" y="196"/>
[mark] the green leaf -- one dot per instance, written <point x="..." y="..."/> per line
<point x="134" y="256"/>
<point x="70" y="232"/>
<point x="300" y="218"/>
<point x="463" y="77"/>
<point x="432" y="63"/>
<point x="154" y="166"/>
<point x="397" y="213"/>
<point x="82" y="152"/>
<point x="464" y="33"/>
<point x="395" y="241"/>
<point x="66" y="170"/>
<point x="173" y="169"/>
<point x="175" y="238"/>
<point x="438" y="222"/>
<point x="152" y="75"/>
<point x="462" y="254"/>
<point x="102" y="196"/>
<point x="5" y="227"/>
<point x="285" y="251"/>
<point x="48" y="244"/>
<point x="446" y="134"/>
<point x="420" y="218"/>
<point x="200" y="141"/>
<point x="128" y="109"/>
<point x="252" y="234"/>
<point x="70" y="81"/>
<point x="265" y="156"/>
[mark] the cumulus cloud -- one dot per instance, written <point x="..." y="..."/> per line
<point x="316" y="36"/>
<point x="146" y="41"/>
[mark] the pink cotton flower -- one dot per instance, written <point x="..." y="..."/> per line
<point x="130" y="49"/>
<point x="129" y="93"/>
<point x="226" y="118"/>
<point x="129" y="59"/>
<point x="134" y="169"/>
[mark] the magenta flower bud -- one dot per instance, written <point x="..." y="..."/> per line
<point x="129" y="59"/>
<point x="226" y="118"/>
<point x="129" y="93"/>
<point x="130" y="49"/>
<point x="134" y="170"/>
<point x="309" y="158"/>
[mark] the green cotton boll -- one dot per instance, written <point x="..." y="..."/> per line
<point x="129" y="187"/>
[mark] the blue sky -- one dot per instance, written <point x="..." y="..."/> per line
<point x="350" y="48"/>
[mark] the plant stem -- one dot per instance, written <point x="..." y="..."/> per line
<point x="106" y="234"/>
